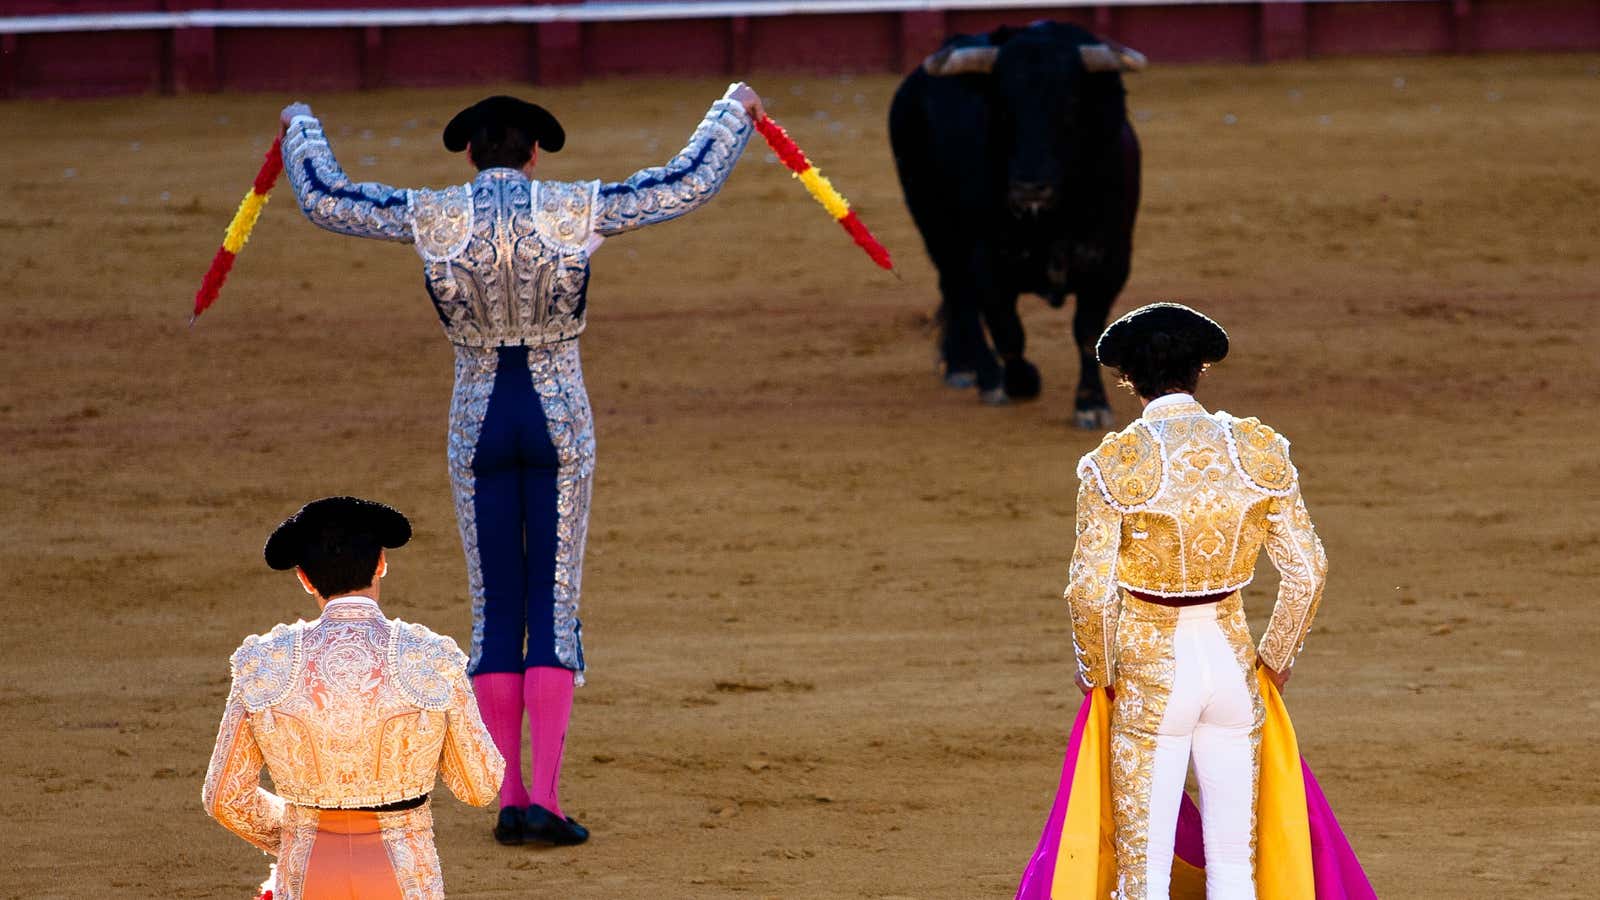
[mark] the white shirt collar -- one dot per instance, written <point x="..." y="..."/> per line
<point x="1167" y="400"/>
<point x="501" y="172"/>
<point x="350" y="600"/>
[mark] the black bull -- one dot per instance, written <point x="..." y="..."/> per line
<point x="1021" y="170"/>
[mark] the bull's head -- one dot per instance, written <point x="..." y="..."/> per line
<point x="1041" y="114"/>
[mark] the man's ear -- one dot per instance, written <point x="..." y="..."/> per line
<point x="304" y="581"/>
<point x="383" y="565"/>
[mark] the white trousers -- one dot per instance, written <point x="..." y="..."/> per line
<point x="1209" y="717"/>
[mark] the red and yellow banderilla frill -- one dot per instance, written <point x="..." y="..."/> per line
<point x="239" y="229"/>
<point x="819" y="187"/>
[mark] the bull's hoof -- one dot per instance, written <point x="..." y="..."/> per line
<point x="1098" y="417"/>
<point x="1022" y="379"/>
<point x="960" y="380"/>
<point x="994" y="397"/>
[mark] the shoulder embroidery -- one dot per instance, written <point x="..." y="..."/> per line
<point x="564" y="211"/>
<point x="442" y="221"/>
<point x="426" y="664"/>
<point x="1127" y="467"/>
<point x="265" y="666"/>
<point x="1261" y="454"/>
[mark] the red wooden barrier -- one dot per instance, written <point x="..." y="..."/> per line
<point x="562" y="41"/>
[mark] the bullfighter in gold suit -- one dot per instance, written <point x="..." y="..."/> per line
<point x="1172" y="513"/>
<point x="355" y="715"/>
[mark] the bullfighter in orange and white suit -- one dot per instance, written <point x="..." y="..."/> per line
<point x="356" y="715"/>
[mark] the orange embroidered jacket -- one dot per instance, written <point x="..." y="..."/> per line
<point x="350" y="710"/>
<point x="1179" y="504"/>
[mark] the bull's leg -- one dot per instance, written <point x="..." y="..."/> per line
<point x="961" y="342"/>
<point x="1021" y="380"/>
<point x="967" y="358"/>
<point x="1091" y="409"/>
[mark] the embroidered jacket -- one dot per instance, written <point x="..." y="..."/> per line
<point x="506" y="259"/>
<point x="1179" y="504"/>
<point x="350" y="710"/>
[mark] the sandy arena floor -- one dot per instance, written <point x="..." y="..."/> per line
<point x="829" y="656"/>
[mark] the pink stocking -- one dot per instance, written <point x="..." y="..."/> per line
<point x="500" y="703"/>
<point x="547" y="690"/>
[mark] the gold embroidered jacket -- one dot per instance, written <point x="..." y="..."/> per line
<point x="1179" y="504"/>
<point x="350" y="710"/>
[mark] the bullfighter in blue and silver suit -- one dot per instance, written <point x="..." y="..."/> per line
<point x="506" y="260"/>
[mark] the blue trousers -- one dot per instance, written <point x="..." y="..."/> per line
<point x="522" y="468"/>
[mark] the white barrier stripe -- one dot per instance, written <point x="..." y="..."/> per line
<point x="593" y="11"/>
<point x="91" y="22"/>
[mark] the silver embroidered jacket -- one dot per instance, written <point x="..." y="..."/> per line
<point x="350" y="710"/>
<point x="507" y="259"/>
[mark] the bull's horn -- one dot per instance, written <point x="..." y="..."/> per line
<point x="1111" y="57"/>
<point x="962" y="61"/>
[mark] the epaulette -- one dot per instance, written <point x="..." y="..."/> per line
<point x="1127" y="467"/>
<point x="564" y="211"/>
<point x="426" y="664"/>
<point x="441" y="222"/>
<point x="1261" y="454"/>
<point x="266" y="665"/>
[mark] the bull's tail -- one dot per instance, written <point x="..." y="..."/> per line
<point x="1132" y="168"/>
<point x="912" y="144"/>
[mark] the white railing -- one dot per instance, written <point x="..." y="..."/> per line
<point x="590" y="11"/>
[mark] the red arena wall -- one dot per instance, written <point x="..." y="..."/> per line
<point x="68" y="48"/>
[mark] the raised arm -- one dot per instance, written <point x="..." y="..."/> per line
<point x="689" y="179"/>
<point x="327" y="196"/>
<point x="472" y="767"/>
<point x="232" y="793"/>
<point x="1296" y="552"/>
<point x="1092" y="593"/>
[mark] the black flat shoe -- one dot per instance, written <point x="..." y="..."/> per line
<point x="540" y="824"/>
<point x="508" y="828"/>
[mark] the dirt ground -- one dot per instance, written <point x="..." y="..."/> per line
<point x="829" y="655"/>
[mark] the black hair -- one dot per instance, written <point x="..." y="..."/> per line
<point x="338" y="560"/>
<point x="1163" y="363"/>
<point x="495" y="146"/>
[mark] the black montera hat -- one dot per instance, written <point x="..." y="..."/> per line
<point x="339" y="519"/>
<point x="1174" y="320"/>
<point x="500" y="112"/>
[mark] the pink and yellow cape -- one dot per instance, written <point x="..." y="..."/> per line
<point x="1301" y="853"/>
